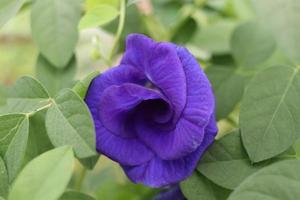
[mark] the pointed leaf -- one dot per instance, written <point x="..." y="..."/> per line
<point x="54" y="28"/>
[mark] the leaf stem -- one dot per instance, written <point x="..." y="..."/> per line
<point x="48" y="105"/>
<point x="119" y="31"/>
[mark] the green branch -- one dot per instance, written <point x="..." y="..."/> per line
<point x="119" y="31"/>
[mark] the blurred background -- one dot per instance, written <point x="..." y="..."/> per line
<point x="211" y="29"/>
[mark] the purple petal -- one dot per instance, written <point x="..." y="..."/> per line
<point x="161" y="65"/>
<point x="138" y="51"/>
<point x="158" y="173"/>
<point x="189" y="131"/>
<point x="169" y="145"/>
<point x="114" y="76"/>
<point x="126" y="151"/>
<point x="200" y="100"/>
<point x="120" y="102"/>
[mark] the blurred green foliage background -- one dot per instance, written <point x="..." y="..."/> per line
<point x="205" y="27"/>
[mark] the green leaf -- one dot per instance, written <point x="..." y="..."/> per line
<point x="278" y="181"/>
<point x="4" y="183"/>
<point x="90" y="162"/>
<point x="13" y="141"/>
<point x="90" y="4"/>
<point x="198" y="187"/>
<point x="68" y="122"/>
<point x="281" y="17"/>
<point x="8" y="8"/>
<point x="98" y="16"/>
<point x="215" y="37"/>
<point x="183" y="36"/>
<point x="270" y="112"/>
<point x="226" y="162"/>
<point x="228" y="87"/>
<point x="73" y="195"/>
<point x="54" y="78"/>
<point x="38" y="141"/>
<point x="82" y="86"/>
<point x="26" y="96"/>
<point x="251" y="44"/>
<point x="54" y="28"/>
<point x="45" y="177"/>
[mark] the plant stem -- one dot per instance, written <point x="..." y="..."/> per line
<point x="119" y="30"/>
<point x="50" y="102"/>
<point x="80" y="179"/>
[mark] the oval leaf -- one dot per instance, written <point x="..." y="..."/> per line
<point x="54" y="28"/>
<point x="278" y="181"/>
<point x="45" y="177"/>
<point x="270" y="112"/>
<point x="68" y="122"/>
